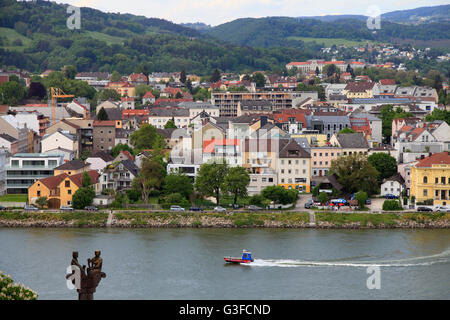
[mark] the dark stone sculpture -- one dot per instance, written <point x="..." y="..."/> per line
<point x="88" y="280"/>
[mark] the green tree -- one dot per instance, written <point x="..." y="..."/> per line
<point x="259" y="79"/>
<point x="385" y="164"/>
<point x="361" y="197"/>
<point x="102" y="115"/>
<point x="170" y="124"/>
<point x="215" y="76"/>
<point x="121" y="147"/>
<point x="115" y="76"/>
<point x="354" y="172"/>
<point x="183" y="76"/>
<point x="109" y="94"/>
<point x="178" y="183"/>
<point x="236" y="182"/>
<point x="70" y="71"/>
<point x="210" y="178"/>
<point x="11" y="93"/>
<point x="387" y="115"/>
<point x="150" y="177"/>
<point x="83" y="197"/>
<point x="14" y="291"/>
<point x="279" y="194"/>
<point x="42" y="202"/>
<point x="147" y="137"/>
<point x="347" y="130"/>
<point x="323" y="197"/>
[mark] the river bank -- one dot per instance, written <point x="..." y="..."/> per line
<point x="133" y="219"/>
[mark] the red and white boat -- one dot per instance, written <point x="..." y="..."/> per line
<point x="246" y="258"/>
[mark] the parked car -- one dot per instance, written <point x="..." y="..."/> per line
<point x="91" y="208"/>
<point x="220" y="209"/>
<point x="3" y="208"/>
<point x="368" y="201"/>
<point x="424" y="209"/>
<point x="441" y="209"/>
<point x="66" y="208"/>
<point x="176" y="208"/>
<point x="30" y="207"/>
<point x="195" y="209"/>
<point x="391" y="196"/>
<point x="254" y="208"/>
<point x="309" y="204"/>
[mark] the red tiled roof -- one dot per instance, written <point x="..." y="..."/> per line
<point x="136" y="112"/>
<point x="78" y="178"/>
<point x="127" y="154"/>
<point x="387" y="81"/>
<point x="436" y="158"/>
<point x="53" y="182"/>
<point x="149" y="95"/>
<point x="137" y="76"/>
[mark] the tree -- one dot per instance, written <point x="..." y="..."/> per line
<point x="210" y="179"/>
<point x="42" y="202"/>
<point x="102" y="115"/>
<point x="215" y="76"/>
<point x="259" y="79"/>
<point x="183" y="76"/>
<point x="83" y="197"/>
<point x="354" y="173"/>
<point x="109" y="94"/>
<point x="179" y="95"/>
<point x="150" y="177"/>
<point x="361" y="197"/>
<point x="178" y="183"/>
<point x="330" y="69"/>
<point x="37" y="90"/>
<point x="11" y="93"/>
<point x="69" y="72"/>
<point x="279" y="194"/>
<point x="121" y="147"/>
<point x="385" y="164"/>
<point x="86" y="180"/>
<point x="347" y="130"/>
<point x="236" y="182"/>
<point x="387" y="115"/>
<point x="115" y="76"/>
<point x="170" y="124"/>
<point x="323" y="197"/>
<point x="147" y="137"/>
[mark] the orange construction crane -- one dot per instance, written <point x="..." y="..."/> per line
<point x="57" y="93"/>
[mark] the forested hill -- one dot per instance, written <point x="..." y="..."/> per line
<point x="276" y="31"/>
<point x="34" y="36"/>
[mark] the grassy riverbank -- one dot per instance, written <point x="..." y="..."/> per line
<point x="276" y="219"/>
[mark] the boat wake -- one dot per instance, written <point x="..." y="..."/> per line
<point x="441" y="258"/>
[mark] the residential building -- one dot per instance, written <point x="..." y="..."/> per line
<point x="159" y="117"/>
<point x="2" y="172"/>
<point x="9" y="144"/>
<point x="393" y="185"/>
<point x="430" y="179"/>
<point x="294" y="167"/>
<point x="359" y="90"/>
<point x="23" y="169"/>
<point x="104" y="135"/>
<point x="328" y="123"/>
<point x="118" y="176"/>
<point x="100" y="160"/>
<point x="59" y="189"/>
<point x="60" y="139"/>
<point x="350" y="143"/>
<point x="321" y="158"/>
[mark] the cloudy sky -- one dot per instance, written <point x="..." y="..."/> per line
<point x="215" y="12"/>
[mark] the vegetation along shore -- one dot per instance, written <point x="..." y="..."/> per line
<point x="134" y="219"/>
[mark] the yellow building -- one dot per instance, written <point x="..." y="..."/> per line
<point x="362" y="89"/>
<point x="294" y="167"/>
<point x="430" y="179"/>
<point x="59" y="189"/>
<point x="123" y="88"/>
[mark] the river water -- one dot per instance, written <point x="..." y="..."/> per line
<point x="188" y="263"/>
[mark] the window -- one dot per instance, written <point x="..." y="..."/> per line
<point x="425" y="192"/>
<point x="69" y="191"/>
<point x="425" y="180"/>
<point x="270" y="179"/>
<point x="67" y="183"/>
<point x="39" y="193"/>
